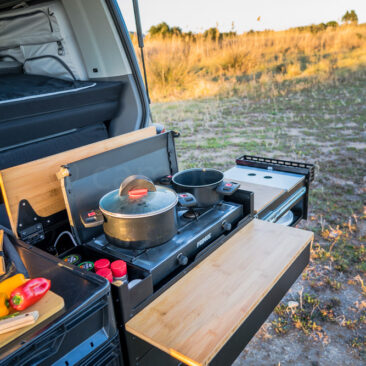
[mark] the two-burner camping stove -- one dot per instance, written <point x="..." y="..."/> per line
<point x="197" y="228"/>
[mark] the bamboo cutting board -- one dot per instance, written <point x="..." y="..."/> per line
<point x="195" y="317"/>
<point x="48" y="306"/>
<point x="36" y="181"/>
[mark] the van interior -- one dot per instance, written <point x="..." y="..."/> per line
<point x="67" y="79"/>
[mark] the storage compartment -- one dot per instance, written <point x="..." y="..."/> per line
<point x="126" y="298"/>
<point x="86" y="324"/>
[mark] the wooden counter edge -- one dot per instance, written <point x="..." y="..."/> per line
<point x="176" y="354"/>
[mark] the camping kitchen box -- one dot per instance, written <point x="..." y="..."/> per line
<point x="195" y="298"/>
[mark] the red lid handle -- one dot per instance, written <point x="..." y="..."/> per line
<point x="136" y="185"/>
<point x="137" y="193"/>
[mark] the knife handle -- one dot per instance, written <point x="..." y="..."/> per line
<point x="20" y="321"/>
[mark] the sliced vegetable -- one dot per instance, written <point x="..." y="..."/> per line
<point x="11" y="283"/>
<point x="29" y="293"/>
<point x="4" y="305"/>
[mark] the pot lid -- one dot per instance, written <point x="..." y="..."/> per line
<point x="138" y="202"/>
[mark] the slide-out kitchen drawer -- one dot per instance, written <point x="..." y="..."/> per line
<point x="209" y="315"/>
<point x="275" y="192"/>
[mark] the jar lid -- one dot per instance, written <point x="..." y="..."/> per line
<point x="119" y="268"/>
<point x="106" y="273"/>
<point x="138" y="202"/>
<point x="101" y="263"/>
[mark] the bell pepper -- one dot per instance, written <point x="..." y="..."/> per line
<point x="29" y="293"/>
<point x="11" y="283"/>
<point x="4" y="305"/>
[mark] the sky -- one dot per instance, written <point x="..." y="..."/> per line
<point x="199" y="15"/>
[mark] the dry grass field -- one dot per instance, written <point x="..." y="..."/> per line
<point x="298" y="96"/>
<point x="182" y="67"/>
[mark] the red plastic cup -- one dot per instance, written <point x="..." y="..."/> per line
<point x="106" y="273"/>
<point x="119" y="269"/>
<point x="101" y="263"/>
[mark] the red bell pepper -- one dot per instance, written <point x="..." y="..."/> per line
<point x="29" y="293"/>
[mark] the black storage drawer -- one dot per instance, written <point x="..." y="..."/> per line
<point x="109" y="354"/>
<point x="86" y="323"/>
<point x="126" y="299"/>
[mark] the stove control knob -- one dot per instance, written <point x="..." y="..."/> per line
<point x="182" y="259"/>
<point x="226" y="226"/>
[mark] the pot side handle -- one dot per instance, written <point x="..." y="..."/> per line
<point x="227" y="188"/>
<point x="92" y="218"/>
<point x="186" y="200"/>
<point x="135" y="182"/>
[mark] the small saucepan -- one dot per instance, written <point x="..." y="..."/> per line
<point x="139" y="214"/>
<point x="206" y="185"/>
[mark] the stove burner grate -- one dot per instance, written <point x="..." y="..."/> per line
<point x="191" y="214"/>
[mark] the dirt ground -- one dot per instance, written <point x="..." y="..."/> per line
<point x="322" y="319"/>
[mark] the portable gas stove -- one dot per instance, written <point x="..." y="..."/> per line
<point x="197" y="228"/>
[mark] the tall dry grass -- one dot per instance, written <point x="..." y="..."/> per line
<point x="182" y="67"/>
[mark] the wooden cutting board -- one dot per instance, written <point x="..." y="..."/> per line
<point x="196" y="316"/>
<point x="48" y="306"/>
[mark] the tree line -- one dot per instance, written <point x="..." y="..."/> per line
<point x="163" y="30"/>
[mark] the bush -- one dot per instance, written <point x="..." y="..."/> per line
<point x="163" y="30"/>
<point x="350" y="17"/>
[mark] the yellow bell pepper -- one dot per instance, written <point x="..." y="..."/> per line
<point x="4" y="305"/>
<point x="11" y="283"/>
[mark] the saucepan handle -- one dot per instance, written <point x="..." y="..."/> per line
<point x="134" y="183"/>
<point x="227" y="188"/>
<point x="186" y="200"/>
<point x="92" y="218"/>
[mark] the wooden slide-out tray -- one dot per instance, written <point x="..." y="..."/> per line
<point x="37" y="183"/>
<point x="48" y="306"/>
<point x="195" y="317"/>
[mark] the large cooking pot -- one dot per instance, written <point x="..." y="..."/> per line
<point x="139" y="214"/>
<point x="206" y="185"/>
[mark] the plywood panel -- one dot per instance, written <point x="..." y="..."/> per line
<point x="195" y="317"/>
<point x="37" y="182"/>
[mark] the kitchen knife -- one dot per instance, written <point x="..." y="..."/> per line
<point x="20" y="321"/>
